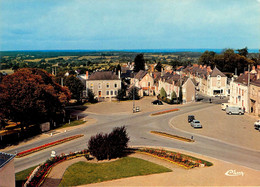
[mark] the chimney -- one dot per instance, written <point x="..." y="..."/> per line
<point x="162" y="72"/>
<point x="258" y="75"/>
<point x="86" y="75"/>
<point x="119" y="74"/>
<point x="152" y="68"/>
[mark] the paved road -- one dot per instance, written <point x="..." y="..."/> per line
<point x="138" y="128"/>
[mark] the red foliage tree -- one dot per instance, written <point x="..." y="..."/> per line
<point x="31" y="95"/>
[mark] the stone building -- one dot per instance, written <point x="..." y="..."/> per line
<point x="104" y="84"/>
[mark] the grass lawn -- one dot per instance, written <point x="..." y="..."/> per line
<point x="85" y="173"/>
<point x="73" y="123"/>
<point x="20" y="177"/>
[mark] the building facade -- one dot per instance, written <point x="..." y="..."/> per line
<point x="105" y="85"/>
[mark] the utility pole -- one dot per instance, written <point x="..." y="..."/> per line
<point x="134" y="96"/>
<point x="248" y="88"/>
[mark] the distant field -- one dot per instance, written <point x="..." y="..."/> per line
<point x="98" y="56"/>
<point x="47" y="59"/>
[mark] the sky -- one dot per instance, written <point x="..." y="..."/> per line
<point x="128" y="24"/>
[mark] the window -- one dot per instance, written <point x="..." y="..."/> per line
<point x="115" y="92"/>
<point x="91" y="86"/>
<point x="115" y="85"/>
<point x="107" y="85"/>
<point x="107" y="92"/>
<point x="99" y="85"/>
<point x="149" y="84"/>
<point x="111" y="92"/>
<point x="218" y="77"/>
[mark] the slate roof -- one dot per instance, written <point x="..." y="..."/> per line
<point x="103" y="75"/>
<point x="215" y="72"/>
<point x="140" y="74"/>
<point x="5" y="158"/>
<point x="256" y="83"/>
<point x="243" y="78"/>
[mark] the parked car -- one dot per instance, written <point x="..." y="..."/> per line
<point x="191" y="118"/>
<point x="157" y="102"/>
<point x="257" y="125"/>
<point x="196" y="124"/>
<point x="234" y="110"/>
<point x="224" y="106"/>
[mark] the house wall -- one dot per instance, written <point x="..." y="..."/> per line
<point x="217" y="83"/>
<point x="7" y="175"/>
<point x="108" y="88"/>
<point x="147" y="84"/>
<point x="254" y="95"/>
<point x="239" y="95"/>
<point x="188" y="90"/>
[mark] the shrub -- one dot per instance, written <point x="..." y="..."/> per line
<point x="97" y="146"/>
<point x="118" y="141"/>
<point x="107" y="146"/>
<point x="163" y="93"/>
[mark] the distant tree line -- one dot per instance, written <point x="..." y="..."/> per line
<point x="229" y="60"/>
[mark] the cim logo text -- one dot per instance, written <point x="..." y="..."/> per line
<point x="234" y="173"/>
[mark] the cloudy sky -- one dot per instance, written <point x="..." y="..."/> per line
<point x="128" y="24"/>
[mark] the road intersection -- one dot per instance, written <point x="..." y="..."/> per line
<point x="138" y="127"/>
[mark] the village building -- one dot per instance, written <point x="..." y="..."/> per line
<point x="145" y="82"/>
<point x="104" y="84"/>
<point x="239" y="91"/>
<point x="210" y="82"/>
<point x="188" y="90"/>
<point x="217" y="83"/>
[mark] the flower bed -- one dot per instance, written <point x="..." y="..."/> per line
<point x="37" y="177"/>
<point x="35" y="149"/>
<point x="166" y="111"/>
<point x="182" y="160"/>
<point x="172" y="136"/>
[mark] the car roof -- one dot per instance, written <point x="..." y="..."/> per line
<point x="196" y="120"/>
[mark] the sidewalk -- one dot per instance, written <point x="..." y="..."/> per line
<point x="48" y="134"/>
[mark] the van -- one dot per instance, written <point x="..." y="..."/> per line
<point x="234" y="110"/>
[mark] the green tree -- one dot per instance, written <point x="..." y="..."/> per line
<point x="158" y="67"/>
<point x="118" y="68"/>
<point x="75" y="86"/>
<point x="163" y="93"/>
<point x="31" y="96"/>
<point x="174" y="97"/>
<point x="91" y="96"/>
<point x="139" y="63"/>
<point x="243" y="51"/>
<point x="175" y="63"/>
<point x="133" y="93"/>
<point x="207" y="58"/>
<point x="121" y="94"/>
<point x="180" y="95"/>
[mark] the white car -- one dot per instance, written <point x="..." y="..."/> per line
<point x="257" y="125"/>
<point x="196" y="124"/>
